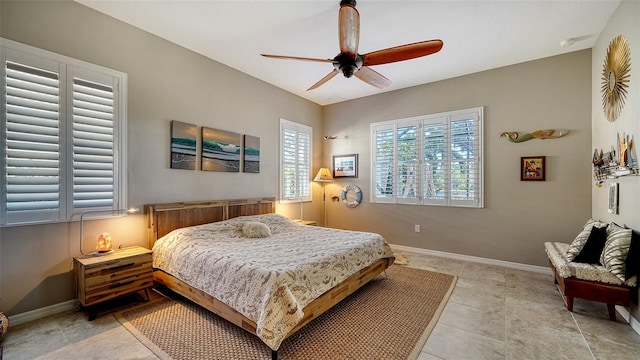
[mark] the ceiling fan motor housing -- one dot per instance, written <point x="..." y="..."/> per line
<point x="347" y="65"/>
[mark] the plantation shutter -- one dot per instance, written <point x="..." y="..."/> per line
<point x="295" y="161"/>
<point x="32" y="143"/>
<point x="429" y="160"/>
<point x="465" y="159"/>
<point x="93" y="145"/>
<point x="383" y="180"/>
<point x="304" y="165"/>
<point x="408" y="163"/>
<point x="62" y="129"/>
<point x="435" y="161"/>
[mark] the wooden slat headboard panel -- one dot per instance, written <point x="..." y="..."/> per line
<point x="166" y="217"/>
<point x="251" y="207"/>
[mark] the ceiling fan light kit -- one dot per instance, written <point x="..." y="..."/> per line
<point x="349" y="62"/>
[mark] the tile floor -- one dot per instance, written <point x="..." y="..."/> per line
<point x="493" y="313"/>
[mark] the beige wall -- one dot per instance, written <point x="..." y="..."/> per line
<point x="35" y="261"/>
<point x="552" y="93"/>
<point x="166" y="82"/>
<point x="624" y="22"/>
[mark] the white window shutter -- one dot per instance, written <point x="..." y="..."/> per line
<point x="435" y="141"/>
<point x="465" y="162"/>
<point x="32" y="143"/>
<point x="62" y="130"/>
<point x="295" y="161"/>
<point x="384" y="157"/>
<point x="429" y="160"/>
<point x="408" y="162"/>
<point x="93" y="145"/>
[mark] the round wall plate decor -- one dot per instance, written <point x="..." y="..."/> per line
<point x="615" y="77"/>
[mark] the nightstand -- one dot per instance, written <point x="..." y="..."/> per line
<point x="102" y="278"/>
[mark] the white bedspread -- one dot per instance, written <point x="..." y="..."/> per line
<point x="269" y="280"/>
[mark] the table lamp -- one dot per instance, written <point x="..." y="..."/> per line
<point x="104" y="240"/>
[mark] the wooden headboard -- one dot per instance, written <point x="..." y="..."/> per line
<point x="166" y="217"/>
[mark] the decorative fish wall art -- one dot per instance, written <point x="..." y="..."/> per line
<point x="515" y="137"/>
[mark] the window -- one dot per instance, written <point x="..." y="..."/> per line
<point x="63" y="133"/>
<point x="429" y="160"/>
<point x="295" y="161"/>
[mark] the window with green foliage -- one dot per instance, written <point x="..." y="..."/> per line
<point x="429" y="160"/>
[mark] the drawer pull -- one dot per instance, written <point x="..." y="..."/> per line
<point x="121" y="266"/>
<point x="121" y="284"/>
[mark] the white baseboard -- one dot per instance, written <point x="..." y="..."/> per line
<point x="508" y="264"/>
<point x="626" y="315"/>
<point x="42" y="312"/>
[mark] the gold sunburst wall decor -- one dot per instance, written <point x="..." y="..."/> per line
<point x="615" y="77"/>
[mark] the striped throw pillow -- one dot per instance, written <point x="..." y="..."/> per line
<point x="615" y="251"/>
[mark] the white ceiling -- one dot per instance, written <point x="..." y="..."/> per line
<point x="478" y="35"/>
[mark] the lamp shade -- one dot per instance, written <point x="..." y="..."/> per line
<point x="324" y="175"/>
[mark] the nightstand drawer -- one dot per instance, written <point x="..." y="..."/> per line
<point x="116" y="289"/>
<point x="117" y="270"/>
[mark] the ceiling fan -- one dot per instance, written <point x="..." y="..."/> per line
<point x="350" y="63"/>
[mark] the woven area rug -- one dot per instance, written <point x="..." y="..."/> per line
<point x="385" y="319"/>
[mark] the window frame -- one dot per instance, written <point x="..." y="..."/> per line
<point x="68" y="70"/>
<point x="418" y="123"/>
<point x="305" y="187"/>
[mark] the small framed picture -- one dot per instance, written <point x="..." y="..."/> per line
<point x="532" y="168"/>
<point x="613" y="198"/>
<point x="345" y="166"/>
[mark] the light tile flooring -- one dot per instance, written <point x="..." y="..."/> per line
<point x="493" y="313"/>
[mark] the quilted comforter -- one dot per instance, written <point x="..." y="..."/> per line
<point x="270" y="279"/>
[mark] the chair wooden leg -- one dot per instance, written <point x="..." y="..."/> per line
<point x="570" y="303"/>
<point x="612" y="311"/>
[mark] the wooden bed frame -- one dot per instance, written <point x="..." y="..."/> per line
<point x="163" y="218"/>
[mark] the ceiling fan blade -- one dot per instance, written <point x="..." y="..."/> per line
<point x="349" y="30"/>
<point x="328" y="77"/>
<point x="372" y="77"/>
<point x="402" y="52"/>
<point x="297" y="58"/>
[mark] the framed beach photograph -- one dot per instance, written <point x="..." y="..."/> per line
<point x="183" y="145"/>
<point x="251" y="162"/>
<point x="221" y="150"/>
<point x="345" y="166"/>
<point x="532" y="168"/>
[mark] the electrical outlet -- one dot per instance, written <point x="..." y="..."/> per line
<point x="417" y="228"/>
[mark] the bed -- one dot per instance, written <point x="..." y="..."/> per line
<point x="270" y="286"/>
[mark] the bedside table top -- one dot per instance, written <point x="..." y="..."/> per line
<point x="116" y="254"/>
<point x="307" y="222"/>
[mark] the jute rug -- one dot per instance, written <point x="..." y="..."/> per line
<point x="385" y="319"/>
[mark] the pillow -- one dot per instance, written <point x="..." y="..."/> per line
<point x="254" y="229"/>
<point x="616" y="250"/>
<point x="633" y="257"/>
<point x="590" y="253"/>
<point x="578" y="243"/>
